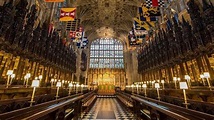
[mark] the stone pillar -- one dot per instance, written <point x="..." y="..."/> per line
<point x="72" y="77"/>
<point x="78" y="62"/>
<point x="128" y="67"/>
<point x="120" y="80"/>
<point x="125" y="83"/>
<point x="131" y="68"/>
<point x="136" y="76"/>
<point x="86" y="76"/>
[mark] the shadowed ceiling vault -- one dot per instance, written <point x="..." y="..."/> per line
<point x="106" y="18"/>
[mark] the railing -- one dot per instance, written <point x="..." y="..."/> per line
<point x="148" y="108"/>
<point x="14" y="104"/>
<point x="53" y="108"/>
<point x="201" y="106"/>
<point x="64" y="107"/>
<point x="125" y="99"/>
<point x="88" y="102"/>
<point x="18" y="103"/>
<point x="198" y="105"/>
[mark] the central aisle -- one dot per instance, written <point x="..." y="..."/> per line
<point x="107" y="108"/>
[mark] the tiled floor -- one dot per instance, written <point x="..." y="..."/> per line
<point x="107" y="109"/>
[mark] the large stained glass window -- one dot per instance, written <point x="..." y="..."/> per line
<point x="106" y="53"/>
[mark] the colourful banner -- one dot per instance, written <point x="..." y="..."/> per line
<point x="82" y="43"/>
<point x="132" y="38"/>
<point x="140" y="32"/>
<point x="141" y="25"/>
<point x="149" y="11"/>
<point x="72" y="34"/>
<point x="78" y="35"/>
<point x="67" y="14"/>
<point x="155" y="3"/>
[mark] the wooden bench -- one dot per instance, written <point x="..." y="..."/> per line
<point x="88" y="102"/>
<point x="126" y="102"/>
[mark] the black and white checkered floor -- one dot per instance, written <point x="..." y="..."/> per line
<point x="107" y="109"/>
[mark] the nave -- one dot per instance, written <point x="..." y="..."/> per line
<point x="108" y="108"/>
<point x="58" y="57"/>
<point x="90" y="105"/>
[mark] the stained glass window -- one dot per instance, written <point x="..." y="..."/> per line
<point x="106" y="53"/>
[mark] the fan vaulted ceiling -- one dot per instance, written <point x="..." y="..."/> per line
<point x="106" y="18"/>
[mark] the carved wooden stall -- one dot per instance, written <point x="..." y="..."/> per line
<point x="26" y="49"/>
<point x="184" y="49"/>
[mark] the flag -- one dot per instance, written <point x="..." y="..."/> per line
<point x="140" y="36"/>
<point x="155" y="3"/>
<point x="72" y="34"/>
<point x="78" y="35"/>
<point x="149" y="19"/>
<point x="78" y="44"/>
<point x="140" y="32"/>
<point x="149" y="11"/>
<point x="82" y="43"/>
<point x="131" y="37"/>
<point x="80" y="29"/>
<point x="67" y="14"/>
<point x="142" y="25"/>
<point x="139" y="40"/>
<point x="54" y="0"/>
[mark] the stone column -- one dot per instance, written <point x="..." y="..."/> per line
<point x="128" y="66"/>
<point x="72" y="77"/>
<point x="136" y="76"/>
<point x="78" y="62"/>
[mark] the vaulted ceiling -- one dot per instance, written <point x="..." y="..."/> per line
<point x="106" y="18"/>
